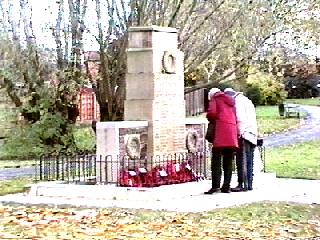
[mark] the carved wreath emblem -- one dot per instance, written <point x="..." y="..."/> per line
<point x="169" y="62"/>
<point x="192" y="140"/>
<point x="133" y="147"/>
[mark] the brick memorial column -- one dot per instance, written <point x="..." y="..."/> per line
<point x="155" y="87"/>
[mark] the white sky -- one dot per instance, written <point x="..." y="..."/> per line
<point x="45" y="13"/>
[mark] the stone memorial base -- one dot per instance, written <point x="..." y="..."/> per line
<point x="113" y="192"/>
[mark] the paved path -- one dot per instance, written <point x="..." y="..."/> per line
<point x="175" y="197"/>
<point x="309" y="131"/>
<point x="8" y="173"/>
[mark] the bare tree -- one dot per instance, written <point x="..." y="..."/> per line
<point x="110" y="84"/>
<point x="220" y="36"/>
<point x="50" y="99"/>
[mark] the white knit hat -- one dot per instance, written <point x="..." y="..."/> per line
<point x="229" y="90"/>
<point x="212" y="92"/>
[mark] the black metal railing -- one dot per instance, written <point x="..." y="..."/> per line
<point x="122" y="171"/>
<point x="149" y="172"/>
<point x="262" y="151"/>
<point x="67" y="168"/>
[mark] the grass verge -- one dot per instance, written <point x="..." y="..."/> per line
<point x="15" y="185"/>
<point x="269" y="121"/>
<point x="17" y="163"/>
<point x="300" y="160"/>
<point x="264" y="220"/>
<point x="307" y="101"/>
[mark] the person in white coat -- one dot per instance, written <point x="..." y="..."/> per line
<point x="247" y="133"/>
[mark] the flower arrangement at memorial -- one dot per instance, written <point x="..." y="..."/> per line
<point x="170" y="173"/>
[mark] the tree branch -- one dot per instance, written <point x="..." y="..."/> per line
<point x="175" y="14"/>
<point x="57" y="36"/>
<point x="201" y="24"/>
<point x="204" y="56"/>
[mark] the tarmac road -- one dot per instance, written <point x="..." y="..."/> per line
<point x="8" y="173"/>
<point x="309" y="131"/>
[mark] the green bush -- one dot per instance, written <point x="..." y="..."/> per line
<point x="254" y="93"/>
<point x="20" y="145"/>
<point x="264" y="88"/>
<point x="85" y="139"/>
<point x="24" y="143"/>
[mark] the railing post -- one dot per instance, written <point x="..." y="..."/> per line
<point x="40" y="167"/>
<point x="106" y="169"/>
<point x="95" y="166"/>
<point x="49" y="168"/>
<point x="57" y="167"/>
<point x="68" y="169"/>
<point x="263" y="157"/>
<point x="79" y="167"/>
<point x="100" y="167"/>
<point x="62" y="168"/>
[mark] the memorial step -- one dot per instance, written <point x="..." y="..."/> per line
<point x="113" y="192"/>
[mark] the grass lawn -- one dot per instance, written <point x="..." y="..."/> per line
<point x="265" y="220"/>
<point x="295" y="161"/>
<point x="15" y="185"/>
<point x="307" y="101"/>
<point x="17" y="163"/>
<point x="269" y="121"/>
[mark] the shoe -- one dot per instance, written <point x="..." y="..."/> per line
<point x="239" y="189"/>
<point x="212" y="190"/>
<point x="225" y="190"/>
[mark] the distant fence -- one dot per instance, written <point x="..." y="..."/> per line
<point x="122" y="171"/>
<point x="88" y="106"/>
<point x="196" y="102"/>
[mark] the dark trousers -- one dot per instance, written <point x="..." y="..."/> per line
<point x="226" y="155"/>
<point x="244" y="162"/>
